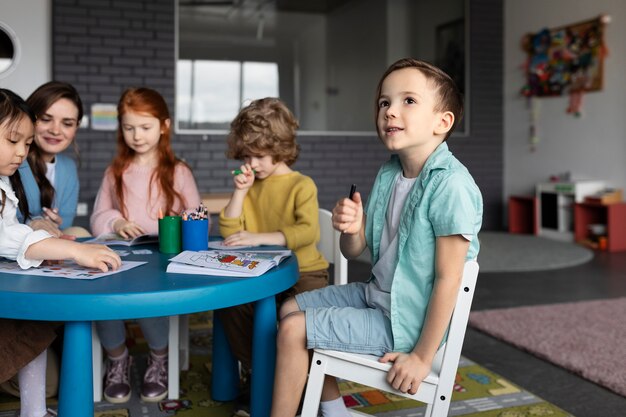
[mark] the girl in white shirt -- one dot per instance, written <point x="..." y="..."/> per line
<point x="29" y="248"/>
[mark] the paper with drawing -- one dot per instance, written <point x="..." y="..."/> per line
<point x="65" y="269"/>
<point x="224" y="263"/>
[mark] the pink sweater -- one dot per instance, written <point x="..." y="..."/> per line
<point x="142" y="203"/>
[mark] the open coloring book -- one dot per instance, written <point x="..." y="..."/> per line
<point x="115" y="239"/>
<point x="224" y="263"/>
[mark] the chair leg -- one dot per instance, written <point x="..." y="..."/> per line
<point x="173" y="359"/>
<point x="314" y="386"/>
<point x="438" y="408"/>
<point x="96" y="363"/>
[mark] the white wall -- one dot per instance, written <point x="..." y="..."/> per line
<point x="592" y="146"/>
<point x="30" y="21"/>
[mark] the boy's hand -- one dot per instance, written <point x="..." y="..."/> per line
<point x="127" y="229"/>
<point x="244" y="180"/>
<point x="243" y="238"/>
<point x="97" y="256"/>
<point x="407" y="372"/>
<point x="348" y="214"/>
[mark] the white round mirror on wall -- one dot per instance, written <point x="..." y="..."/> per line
<point x="8" y="50"/>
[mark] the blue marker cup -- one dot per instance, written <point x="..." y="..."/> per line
<point x="196" y="234"/>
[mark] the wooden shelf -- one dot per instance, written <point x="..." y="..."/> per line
<point x="611" y="215"/>
<point x="215" y="202"/>
<point x="555" y="206"/>
<point x="522" y="214"/>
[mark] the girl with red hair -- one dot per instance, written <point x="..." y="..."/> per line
<point x="144" y="180"/>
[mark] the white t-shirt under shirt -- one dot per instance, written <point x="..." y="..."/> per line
<point x="378" y="293"/>
<point x="50" y="171"/>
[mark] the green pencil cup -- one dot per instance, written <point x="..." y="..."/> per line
<point x="170" y="234"/>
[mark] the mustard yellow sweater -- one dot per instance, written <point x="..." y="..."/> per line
<point x="284" y="203"/>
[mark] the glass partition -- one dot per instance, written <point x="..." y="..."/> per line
<point x="323" y="58"/>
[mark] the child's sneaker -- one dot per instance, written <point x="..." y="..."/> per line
<point x="154" y="387"/>
<point x="117" y="380"/>
<point x="241" y="406"/>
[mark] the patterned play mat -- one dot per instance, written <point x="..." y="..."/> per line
<point x="478" y="392"/>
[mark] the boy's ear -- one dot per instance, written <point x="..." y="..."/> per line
<point x="446" y="120"/>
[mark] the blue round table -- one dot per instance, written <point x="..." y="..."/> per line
<point x="148" y="291"/>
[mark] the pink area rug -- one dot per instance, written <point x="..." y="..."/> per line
<point x="587" y="338"/>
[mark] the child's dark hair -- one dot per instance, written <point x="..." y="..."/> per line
<point x="40" y="101"/>
<point x="450" y="98"/>
<point x="12" y="109"/>
<point x="264" y="127"/>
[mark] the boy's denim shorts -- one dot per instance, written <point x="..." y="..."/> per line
<point x="338" y="318"/>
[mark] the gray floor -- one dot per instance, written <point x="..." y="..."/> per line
<point x="602" y="277"/>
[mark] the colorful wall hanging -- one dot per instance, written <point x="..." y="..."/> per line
<point x="567" y="59"/>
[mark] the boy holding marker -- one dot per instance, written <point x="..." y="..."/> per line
<point x="420" y="225"/>
<point x="271" y="205"/>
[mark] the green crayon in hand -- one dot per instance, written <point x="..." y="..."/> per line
<point x="238" y="172"/>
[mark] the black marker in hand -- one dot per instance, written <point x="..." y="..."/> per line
<point x="352" y="191"/>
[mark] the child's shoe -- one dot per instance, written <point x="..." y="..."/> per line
<point x="117" y="380"/>
<point x="154" y="387"/>
<point x="241" y="407"/>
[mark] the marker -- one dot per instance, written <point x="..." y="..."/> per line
<point x="239" y="172"/>
<point x="352" y="191"/>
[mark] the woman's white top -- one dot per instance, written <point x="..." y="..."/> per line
<point x="15" y="238"/>
<point x="51" y="172"/>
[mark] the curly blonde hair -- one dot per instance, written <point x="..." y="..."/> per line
<point x="264" y="127"/>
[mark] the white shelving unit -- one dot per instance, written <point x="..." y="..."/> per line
<point x="555" y="202"/>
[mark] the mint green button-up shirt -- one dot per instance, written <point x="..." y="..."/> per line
<point x="444" y="201"/>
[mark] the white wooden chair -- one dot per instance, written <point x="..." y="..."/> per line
<point x="329" y="246"/>
<point x="178" y="357"/>
<point x="435" y="390"/>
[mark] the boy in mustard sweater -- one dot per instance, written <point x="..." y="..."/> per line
<point x="271" y="205"/>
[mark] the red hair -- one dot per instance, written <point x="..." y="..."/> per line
<point x="146" y="101"/>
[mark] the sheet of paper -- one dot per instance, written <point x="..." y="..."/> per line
<point x="65" y="269"/>
<point x="115" y="239"/>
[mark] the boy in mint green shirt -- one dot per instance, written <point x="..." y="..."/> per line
<point x="420" y="223"/>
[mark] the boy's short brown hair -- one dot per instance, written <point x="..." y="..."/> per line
<point x="450" y="98"/>
<point x="264" y="127"/>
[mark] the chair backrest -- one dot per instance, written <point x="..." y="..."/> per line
<point x="458" y="326"/>
<point x="329" y="247"/>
